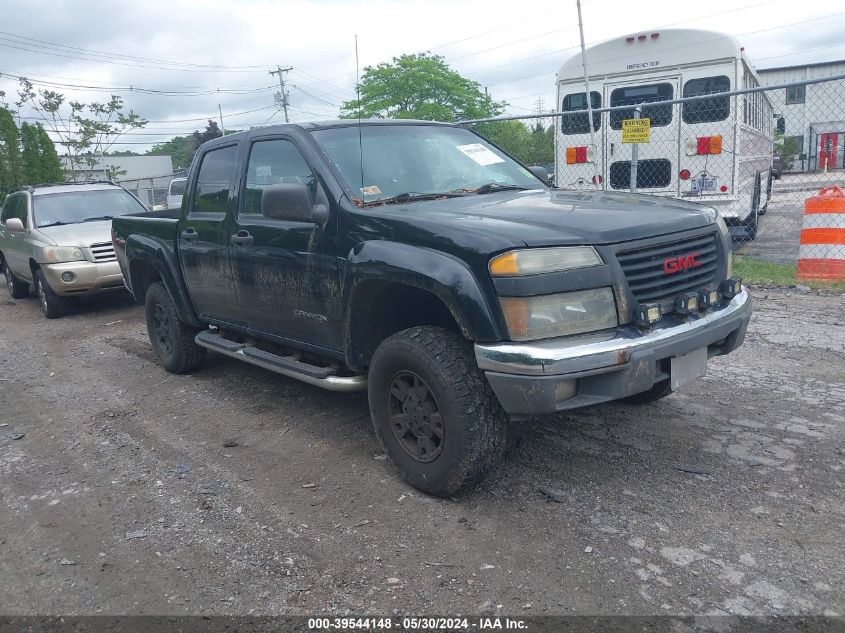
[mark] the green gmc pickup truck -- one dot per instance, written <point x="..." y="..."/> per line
<point x="420" y="262"/>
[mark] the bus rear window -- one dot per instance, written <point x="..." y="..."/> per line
<point x="660" y="115"/>
<point x="577" y="123"/>
<point x="706" y="110"/>
<point x="654" y="173"/>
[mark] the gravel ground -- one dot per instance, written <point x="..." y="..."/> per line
<point x="235" y="491"/>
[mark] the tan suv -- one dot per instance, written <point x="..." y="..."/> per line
<point x="57" y="238"/>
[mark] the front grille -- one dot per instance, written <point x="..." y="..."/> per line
<point x="103" y="252"/>
<point x="649" y="281"/>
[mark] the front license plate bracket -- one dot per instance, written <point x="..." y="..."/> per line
<point x="687" y="367"/>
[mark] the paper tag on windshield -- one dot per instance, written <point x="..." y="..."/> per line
<point x="372" y="190"/>
<point x="480" y="154"/>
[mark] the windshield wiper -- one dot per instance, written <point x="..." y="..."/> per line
<point x="98" y="218"/>
<point x="495" y="186"/>
<point x="410" y="197"/>
<point x="59" y="223"/>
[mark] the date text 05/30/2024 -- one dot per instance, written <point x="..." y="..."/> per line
<point x="418" y="624"/>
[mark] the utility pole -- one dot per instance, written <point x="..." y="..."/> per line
<point x="220" y="112"/>
<point x="283" y="96"/>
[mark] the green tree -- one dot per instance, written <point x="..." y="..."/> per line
<point x="420" y="86"/>
<point x="31" y="155"/>
<point x="50" y="163"/>
<point x="787" y="148"/>
<point x="87" y="131"/>
<point x="179" y="148"/>
<point x="11" y="173"/>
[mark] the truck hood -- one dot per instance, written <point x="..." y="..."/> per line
<point x="83" y="234"/>
<point x="552" y="217"/>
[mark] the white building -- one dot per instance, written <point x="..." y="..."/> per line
<point x="814" y="115"/>
<point x="146" y="176"/>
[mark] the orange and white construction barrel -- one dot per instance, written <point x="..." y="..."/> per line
<point x="821" y="256"/>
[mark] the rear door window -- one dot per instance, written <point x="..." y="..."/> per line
<point x="651" y="174"/>
<point x="577" y="123"/>
<point x="706" y="110"/>
<point x="648" y="97"/>
<point x="215" y="180"/>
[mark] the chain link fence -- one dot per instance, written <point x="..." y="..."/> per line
<point x="152" y="191"/>
<point x="769" y="159"/>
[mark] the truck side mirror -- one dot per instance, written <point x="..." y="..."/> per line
<point x="14" y="225"/>
<point x="540" y="172"/>
<point x="292" y="201"/>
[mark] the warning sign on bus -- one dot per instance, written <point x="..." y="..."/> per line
<point x="636" y="130"/>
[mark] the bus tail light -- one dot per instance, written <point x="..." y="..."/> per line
<point x="576" y="155"/>
<point x="704" y="145"/>
<point x="684" y="174"/>
<point x="597" y="180"/>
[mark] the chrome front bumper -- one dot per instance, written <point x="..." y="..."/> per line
<point x="564" y="373"/>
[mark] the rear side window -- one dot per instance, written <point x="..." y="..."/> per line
<point x="706" y="110"/>
<point x="15" y="207"/>
<point x="651" y="174"/>
<point x="660" y="115"/>
<point x="214" y="180"/>
<point x="577" y="123"/>
<point x="275" y="162"/>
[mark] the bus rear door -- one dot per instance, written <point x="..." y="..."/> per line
<point x="657" y="164"/>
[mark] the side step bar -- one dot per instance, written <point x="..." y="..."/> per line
<point x="285" y="365"/>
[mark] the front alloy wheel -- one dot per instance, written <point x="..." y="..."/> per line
<point x="415" y="417"/>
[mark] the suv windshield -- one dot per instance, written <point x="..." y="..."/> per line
<point x="411" y="161"/>
<point x="72" y="207"/>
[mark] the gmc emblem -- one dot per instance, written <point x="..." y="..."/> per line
<point x="677" y="264"/>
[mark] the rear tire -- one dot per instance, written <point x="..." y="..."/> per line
<point x="658" y="391"/>
<point x="172" y="340"/>
<point x="433" y="410"/>
<point x="17" y="289"/>
<point x="52" y="305"/>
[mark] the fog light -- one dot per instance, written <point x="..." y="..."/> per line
<point x="731" y="287"/>
<point x="686" y="303"/>
<point x="707" y="298"/>
<point x="564" y="390"/>
<point x="67" y="276"/>
<point x="647" y="314"/>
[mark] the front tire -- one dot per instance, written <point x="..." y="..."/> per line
<point x="52" y="305"/>
<point x="17" y="288"/>
<point x="433" y="410"/>
<point x="172" y="340"/>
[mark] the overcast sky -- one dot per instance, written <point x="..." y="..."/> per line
<point x="513" y="48"/>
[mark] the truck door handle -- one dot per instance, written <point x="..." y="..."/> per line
<point x="190" y="235"/>
<point x="242" y="238"/>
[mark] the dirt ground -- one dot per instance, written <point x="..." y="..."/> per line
<point x="236" y="491"/>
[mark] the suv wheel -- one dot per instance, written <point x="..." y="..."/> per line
<point x="52" y="305"/>
<point x="17" y="288"/>
<point x="172" y="340"/>
<point x="433" y="410"/>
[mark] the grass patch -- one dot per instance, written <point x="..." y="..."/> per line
<point x="755" y="271"/>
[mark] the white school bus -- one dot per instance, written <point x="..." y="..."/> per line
<point x="716" y="150"/>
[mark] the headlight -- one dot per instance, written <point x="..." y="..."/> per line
<point x="531" y="318"/>
<point x="59" y="254"/>
<point x="543" y="260"/>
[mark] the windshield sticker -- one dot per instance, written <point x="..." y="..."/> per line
<point x="480" y="154"/>
<point x="372" y="190"/>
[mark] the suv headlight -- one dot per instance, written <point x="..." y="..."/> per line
<point x="59" y="254"/>
<point x="545" y="316"/>
<point x="534" y="261"/>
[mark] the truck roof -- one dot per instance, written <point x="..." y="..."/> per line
<point x="324" y="125"/>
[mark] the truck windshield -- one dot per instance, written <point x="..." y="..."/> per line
<point x="401" y="162"/>
<point x="73" y="207"/>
